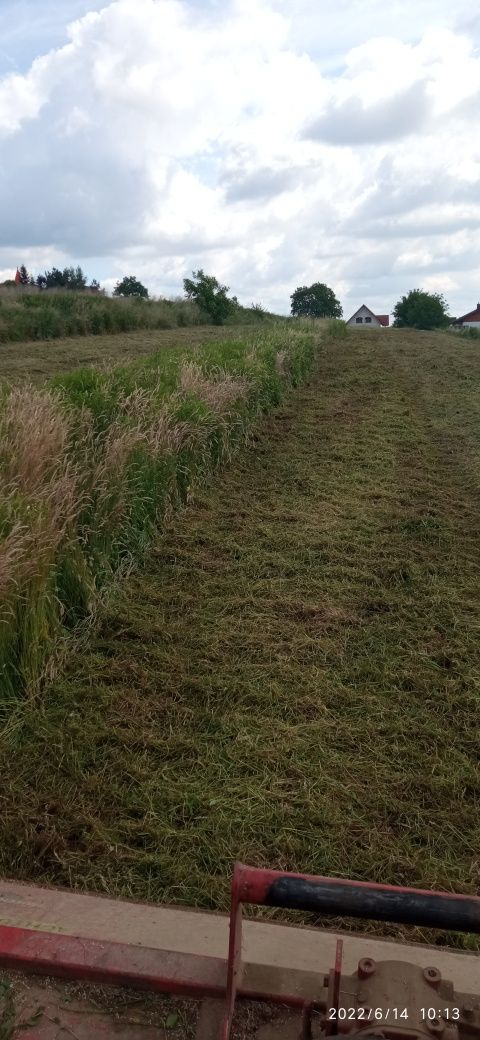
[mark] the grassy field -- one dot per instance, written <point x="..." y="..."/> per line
<point x="35" y="362"/>
<point x="27" y="314"/>
<point x="93" y="463"/>
<point x="293" y="679"/>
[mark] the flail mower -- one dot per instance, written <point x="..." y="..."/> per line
<point x="337" y="985"/>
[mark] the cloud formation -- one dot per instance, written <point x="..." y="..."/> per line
<point x="169" y="134"/>
<point x="389" y="119"/>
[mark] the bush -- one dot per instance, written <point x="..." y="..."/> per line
<point x="210" y="296"/>
<point x="421" y="310"/>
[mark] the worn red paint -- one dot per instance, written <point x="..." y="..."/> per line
<point x="119" y="964"/>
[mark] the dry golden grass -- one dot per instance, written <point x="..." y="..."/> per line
<point x="219" y="392"/>
<point x="14" y="554"/>
<point x="34" y="434"/>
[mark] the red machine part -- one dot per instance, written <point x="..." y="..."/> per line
<point x="170" y="950"/>
<point x="400" y="988"/>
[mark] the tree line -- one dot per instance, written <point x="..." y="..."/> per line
<point x="70" y="278"/>
<point x="205" y="290"/>
<point x="417" y="309"/>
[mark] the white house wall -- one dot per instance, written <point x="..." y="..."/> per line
<point x="363" y="313"/>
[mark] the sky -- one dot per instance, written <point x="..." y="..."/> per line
<point x="273" y="143"/>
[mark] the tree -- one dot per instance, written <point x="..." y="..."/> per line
<point x="210" y="295"/>
<point x="54" y="279"/>
<point x="421" y="310"/>
<point x="130" y="286"/>
<point x="70" y="278"/>
<point x="74" y="278"/>
<point x="315" y="301"/>
<point x="24" y="275"/>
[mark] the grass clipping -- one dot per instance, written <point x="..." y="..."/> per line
<point x="90" y="467"/>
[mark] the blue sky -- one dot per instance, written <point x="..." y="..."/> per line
<point x="29" y="28"/>
<point x="271" y="142"/>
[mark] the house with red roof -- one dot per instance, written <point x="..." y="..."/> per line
<point x="470" y="320"/>
<point x="364" y="316"/>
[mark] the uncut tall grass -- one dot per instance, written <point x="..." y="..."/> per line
<point x="29" y="315"/>
<point x="92" y="465"/>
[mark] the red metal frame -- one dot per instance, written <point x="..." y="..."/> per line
<point x="253" y="885"/>
<point x="336" y="895"/>
<point x="119" y="964"/>
<point x="334" y="980"/>
<point x="193" y="973"/>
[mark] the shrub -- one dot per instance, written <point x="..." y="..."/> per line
<point x="210" y="296"/>
<point x="421" y="310"/>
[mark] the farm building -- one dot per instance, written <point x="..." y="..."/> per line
<point x="472" y="319"/>
<point x="364" y="316"/>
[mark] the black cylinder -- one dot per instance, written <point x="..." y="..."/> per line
<point x="455" y="913"/>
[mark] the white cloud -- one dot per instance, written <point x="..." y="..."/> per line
<point x="167" y="135"/>
<point x="354" y="123"/>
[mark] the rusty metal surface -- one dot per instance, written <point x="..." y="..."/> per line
<point x="294" y="955"/>
<point x="108" y="941"/>
<point x="403" y="1010"/>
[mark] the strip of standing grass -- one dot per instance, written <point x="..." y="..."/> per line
<point x="38" y="361"/>
<point x="294" y="678"/>
<point x="29" y="314"/>
<point x="92" y="466"/>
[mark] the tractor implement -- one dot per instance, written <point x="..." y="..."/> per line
<point x="336" y="984"/>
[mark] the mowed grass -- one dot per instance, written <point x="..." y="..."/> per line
<point x="293" y="679"/>
<point x="36" y="362"/>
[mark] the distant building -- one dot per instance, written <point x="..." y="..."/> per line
<point x="472" y="319"/>
<point x="364" y="316"/>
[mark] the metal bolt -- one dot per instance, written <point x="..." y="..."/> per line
<point x="467" y="1011"/>
<point x="433" y="976"/>
<point x="435" y="1026"/>
<point x="366" y="967"/>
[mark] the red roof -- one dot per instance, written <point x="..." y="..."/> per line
<point x="384" y="319"/>
<point x="472" y="316"/>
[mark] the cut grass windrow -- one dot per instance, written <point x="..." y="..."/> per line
<point x="293" y="679"/>
<point x="91" y="466"/>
